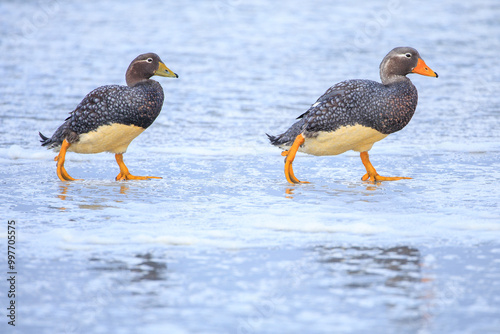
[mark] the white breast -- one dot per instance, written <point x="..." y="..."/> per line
<point x="113" y="138"/>
<point x="357" y="138"/>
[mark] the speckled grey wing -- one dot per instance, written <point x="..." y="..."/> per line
<point x="107" y="105"/>
<point x="312" y="117"/>
<point x="386" y="109"/>
<point x="339" y="106"/>
<point x="94" y="110"/>
<point x="332" y="93"/>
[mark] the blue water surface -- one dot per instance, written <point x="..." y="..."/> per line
<point x="223" y="244"/>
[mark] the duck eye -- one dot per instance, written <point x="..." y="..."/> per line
<point x="408" y="55"/>
<point x="149" y="60"/>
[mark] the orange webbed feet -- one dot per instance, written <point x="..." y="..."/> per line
<point x="371" y="173"/>
<point x="125" y="174"/>
<point x="289" y="157"/>
<point x="60" y="158"/>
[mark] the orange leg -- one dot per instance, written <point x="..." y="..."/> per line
<point x="372" y="174"/>
<point x="60" y="158"/>
<point x="290" y="156"/>
<point x="125" y="174"/>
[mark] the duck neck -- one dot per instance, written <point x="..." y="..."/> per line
<point x="136" y="74"/>
<point x="134" y="80"/>
<point x="391" y="72"/>
<point x="392" y="79"/>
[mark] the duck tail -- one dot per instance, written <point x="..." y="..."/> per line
<point x="50" y="143"/>
<point x="274" y="139"/>
<point x="44" y="140"/>
<point x="287" y="138"/>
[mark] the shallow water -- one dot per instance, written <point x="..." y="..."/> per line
<point x="222" y="244"/>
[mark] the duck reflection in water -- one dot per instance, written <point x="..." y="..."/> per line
<point x="63" y="195"/>
<point x="390" y="276"/>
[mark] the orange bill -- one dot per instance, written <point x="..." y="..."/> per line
<point x="423" y="69"/>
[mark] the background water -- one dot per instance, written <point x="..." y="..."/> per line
<point x="222" y="244"/>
